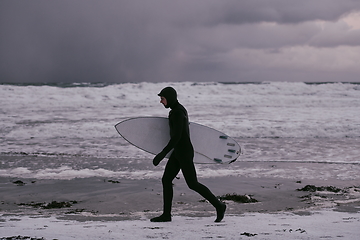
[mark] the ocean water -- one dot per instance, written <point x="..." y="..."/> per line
<point x="66" y="131"/>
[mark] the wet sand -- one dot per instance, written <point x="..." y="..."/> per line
<point x="126" y="197"/>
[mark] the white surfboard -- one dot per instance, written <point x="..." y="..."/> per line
<point x="152" y="134"/>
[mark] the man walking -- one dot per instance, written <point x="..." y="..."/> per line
<point x="181" y="158"/>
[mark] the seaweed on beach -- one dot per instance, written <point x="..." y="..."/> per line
<point x="19" y="183"/>
<point x="55" y="204"/>
<point x="313" y="188"/>
<point x="75" y="211"/>
<point x="113" y="181"/>
<point x="248" y="234"/>
<point x="52" y="205"/>
<point x="238" y="198"/>
<point x="20" y="238"/>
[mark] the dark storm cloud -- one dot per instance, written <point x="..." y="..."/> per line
<point x="284" y="11"/>
<point x="157" y="40"/>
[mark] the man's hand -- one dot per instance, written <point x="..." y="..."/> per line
<point x="157" y="159"/>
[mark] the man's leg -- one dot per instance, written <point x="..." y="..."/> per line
<point x="172" y="168"/>
<point x="189" y="172"/>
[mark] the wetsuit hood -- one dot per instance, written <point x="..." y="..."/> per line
<point x="171" y="96"/>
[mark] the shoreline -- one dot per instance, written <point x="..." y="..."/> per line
<point x="121" y="208"/>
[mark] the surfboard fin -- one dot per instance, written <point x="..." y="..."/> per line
<point x="217" y="160"/>
<point x="223" y="137"/>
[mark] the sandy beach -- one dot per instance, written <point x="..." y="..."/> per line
<point x="116" y="208"/>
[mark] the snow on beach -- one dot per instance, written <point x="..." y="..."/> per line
<point x="317" y="225"/>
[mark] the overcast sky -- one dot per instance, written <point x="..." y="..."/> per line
<point x="187" y="40"/>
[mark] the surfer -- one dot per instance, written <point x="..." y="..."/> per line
<point x="181" y="158"/>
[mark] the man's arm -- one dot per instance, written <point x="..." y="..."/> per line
<point x="177" y="124"/>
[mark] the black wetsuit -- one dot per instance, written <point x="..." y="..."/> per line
<point x="182" y="156"/>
